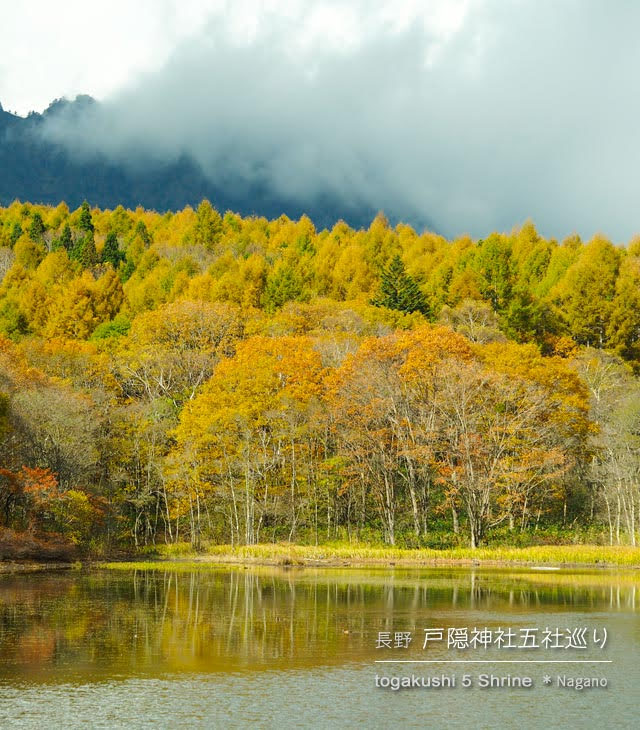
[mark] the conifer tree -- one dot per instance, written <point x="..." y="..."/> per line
<point x="400" y="291"/>
<point x="142" y="233"/>
<point x="36" y="229"/>
<point x="282" y="286"/>
<point x="66" y="239"/>
<point x="88" y="255"/>
<point x="86" y="221"/>
<point x="84" y="251"/>
<point x="111" y="252"/>
<point x="16" y="232"/>
<point x="127" y="270"/>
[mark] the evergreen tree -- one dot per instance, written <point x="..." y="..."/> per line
<point x="36" y="229"/>
<point x="85" y="224"/>
<point x="76" y="250"/>
<point x="88" y="254"/>
<point x="127" y="270"/>
<point x="142" y="233"/>
<point x="65" y="241"/>
<point x="84" y="251"/>
<point x="400" y="291"/>
<point x="283" y="285"/>
<point x="111" y="252"/>
<point x="16" y="232"/>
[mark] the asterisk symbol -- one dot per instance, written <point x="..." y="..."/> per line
<point x="546" y="679"/>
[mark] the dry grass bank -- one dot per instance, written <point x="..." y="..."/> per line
<point x="356" y="554"/>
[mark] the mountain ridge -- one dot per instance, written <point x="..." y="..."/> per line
<point x="40" y="170"/>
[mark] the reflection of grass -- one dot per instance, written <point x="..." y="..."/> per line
<point x="359" y="554"/>
<point x="175" y="565"/>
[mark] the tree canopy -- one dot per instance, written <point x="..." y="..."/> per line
<point x="200" y="376"/>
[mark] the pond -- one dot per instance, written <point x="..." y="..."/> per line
<point x="327" y="648"/>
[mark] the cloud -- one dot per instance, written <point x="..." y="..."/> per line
<point x="53" y="49"/>
<point x="473" y="120"/>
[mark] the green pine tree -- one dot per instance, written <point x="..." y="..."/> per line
<point x="36" y="229"/>
<point x="111" y="252"/>
<point x="283" y="285"/>
<point x="65" y="241"/>
<point x="85" y="224"/>
<point x="142" y="233"/>
<point x="75" y="253"/>
<point x="84" y="251"/>
<point x="16" y="232"/>
<point x="400" y="291"/>
<point x="127" y="270"/>
<point x="88" y="254"/>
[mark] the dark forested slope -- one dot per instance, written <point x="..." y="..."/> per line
<point x="32" y="167"/>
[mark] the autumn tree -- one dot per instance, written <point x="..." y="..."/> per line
<point x="208" y="225"/>
<point x="166" y="357"/>
<point x="230" y="378"/>
<point x="248" y="436"/>
<point x="615" y="443"/>
<point x="584" y="297"/>
<point x="383" y="402"/>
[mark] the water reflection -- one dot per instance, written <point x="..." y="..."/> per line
<point x="100" y="624"/>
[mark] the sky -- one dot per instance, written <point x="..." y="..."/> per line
<point x="471" y="115"/>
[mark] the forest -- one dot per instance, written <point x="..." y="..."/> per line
<point x="206" y="378"/>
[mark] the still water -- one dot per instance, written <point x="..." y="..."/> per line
<point x="281" y="648"/>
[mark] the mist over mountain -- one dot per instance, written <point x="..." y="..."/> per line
<point x="39" y="168"/>
<point x="518" y="111"/>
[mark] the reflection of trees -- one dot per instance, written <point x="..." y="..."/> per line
<point x="107" y="623"/>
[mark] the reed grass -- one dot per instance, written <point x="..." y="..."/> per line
<point x="362" y="554"/>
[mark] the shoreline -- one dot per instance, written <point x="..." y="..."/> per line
<point x="15" y="567"/>
<point x="344" y="556"/>
<point x="196" y="563"/>
<point x="543" y="558"/>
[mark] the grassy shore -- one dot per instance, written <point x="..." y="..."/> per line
<point x="342" y="554"/>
